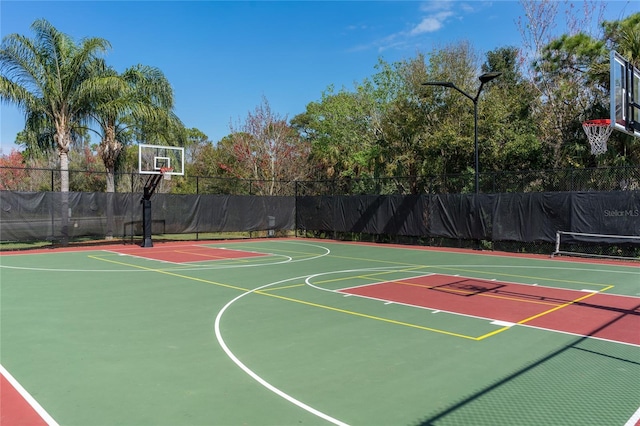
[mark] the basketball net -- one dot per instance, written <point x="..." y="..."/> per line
<point x="165" y="171"/>
<point x="598" y="132"/>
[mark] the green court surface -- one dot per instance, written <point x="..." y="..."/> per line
<point x="275" y="334"/>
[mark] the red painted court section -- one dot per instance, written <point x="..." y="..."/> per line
<point x="186" y="254"/>
<point x="14" y="410"/>
<point x="605" y="316"/>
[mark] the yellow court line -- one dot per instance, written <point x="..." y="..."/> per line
<point x="309" y="254"/>
<point x="284" y="287"/>
<point x="272" y="250"/>
<point x="160" y="271"/>
<point x="413" y="265"/>
<point x="372" y="276"/>
<point x="526" y="320"/>
<point x="264" y="293"/>
<point x="208" y="257"/>
<point x="492" y="333"/>
<point x="359" y="314"/>
<point x="531" y="318"/>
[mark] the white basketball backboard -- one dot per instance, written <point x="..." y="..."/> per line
<point x="153" y="158"/>
<point x="625" y="95"/>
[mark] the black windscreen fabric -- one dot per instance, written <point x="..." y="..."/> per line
<point x="372" y="214"/>
<point x="460" y="216"/>
<point x="222" y="213"/>
<point x="404" y="215"/>
<point x="27" y="216"/>
<point x="608" y="213"/>
<point x="357" y="214"/>
<point x="253" y="213"/>
<point x="174" y="214"/>
<point x="315" y="213"/>
<point x="99" y="214"/>
<point x="44" y="216"/>
<point x="529" y="217"/>
<point x="210" y="213"/>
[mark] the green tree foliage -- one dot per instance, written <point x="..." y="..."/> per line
<point x="139" y="97"/>
<point x="217" y="169"/>
<point x="339" y="129"/>
<point x="508" y="130"/>
<point x="50" y="78"/>
<point x="401" y="149"/>
<point x="388" y="126"/>
<point x="574" y="69"/>
<point x="451" y="130"/>
<point x="87" y="174"/>
<point x="624" y="37"/>
<point x="391" y="125"/>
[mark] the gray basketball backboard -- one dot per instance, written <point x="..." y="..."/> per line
<point x="153" y="158"/>
<point x="625" y="95"/>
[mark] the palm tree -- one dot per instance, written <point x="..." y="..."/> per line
<point x="624" y="36"/>
<point x="128" y="102"/>
<point x="50" y="78"/>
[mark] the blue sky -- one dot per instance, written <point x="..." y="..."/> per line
<point x="222" y="58"/>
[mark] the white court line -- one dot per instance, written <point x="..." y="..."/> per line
<point x="634" y="419"/>
<point x="192" y="266"/>
<point x="434" y="311"/>
<point x="381" y="269"/>
<point x="27" y="397"/>
<point x="503" y="323"/>
<point x="255" y="376"/>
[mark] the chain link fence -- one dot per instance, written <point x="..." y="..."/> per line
<point x="34" y="180"/>
<point x="556" y="180"/>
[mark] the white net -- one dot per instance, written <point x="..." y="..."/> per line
<point x="598" y="132"/>
<point x="597" y="245"/>
<point x="166" y="173"/>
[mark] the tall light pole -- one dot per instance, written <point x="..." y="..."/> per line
<point x="484" y="78"/>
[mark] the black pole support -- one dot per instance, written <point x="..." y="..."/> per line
<point x="146" y="223"/>
<point x="149" y="189"/>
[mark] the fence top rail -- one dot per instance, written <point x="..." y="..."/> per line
<point x="547" y="180"/>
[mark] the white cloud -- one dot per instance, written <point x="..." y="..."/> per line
<point x="431" y="23"/>
<point x="428" y="25"/>
<point x="436" y="6"/>
<point x="434" y="16"/>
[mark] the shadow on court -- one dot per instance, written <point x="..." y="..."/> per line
<point x="587" y="373"/>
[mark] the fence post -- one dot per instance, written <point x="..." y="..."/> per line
<point x="572" y="181"/>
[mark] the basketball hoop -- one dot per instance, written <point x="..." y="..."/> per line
<point x="598" y="132"/>
<point x="166" y="172"/>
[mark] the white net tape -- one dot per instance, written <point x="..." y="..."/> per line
<point x="598" y="132"/>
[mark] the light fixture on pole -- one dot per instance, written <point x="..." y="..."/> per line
<point x="484" y="78"/>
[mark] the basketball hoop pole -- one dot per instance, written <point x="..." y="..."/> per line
<point x="159" y="162"/>
<point x="149" y="189"/>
